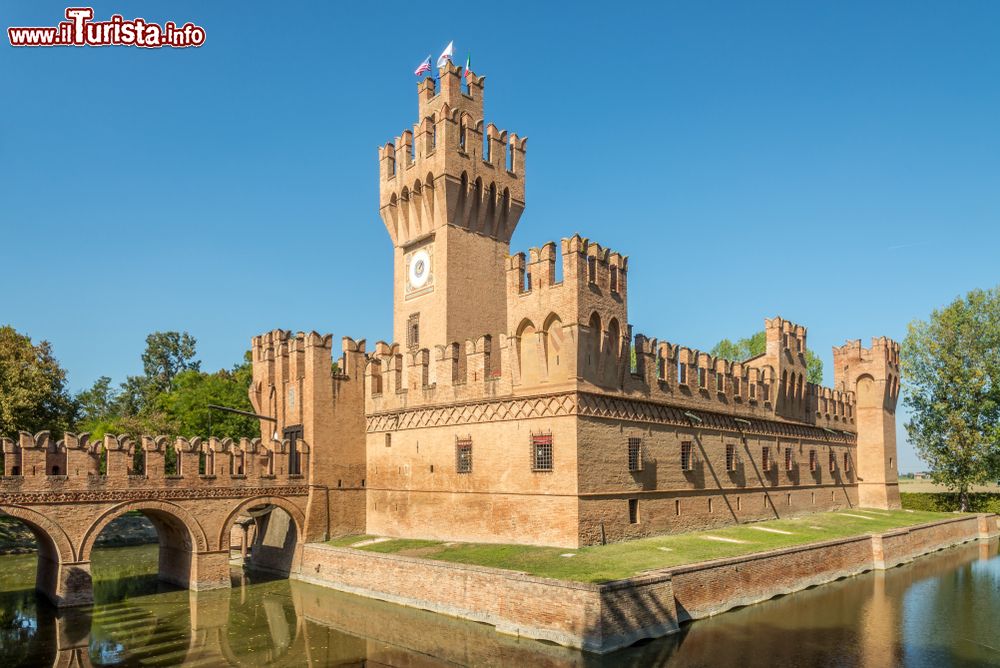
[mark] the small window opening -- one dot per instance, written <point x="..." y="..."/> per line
<point x="634" y="454"/>
<point x="541" y="452"/>
<point x="463" y="455"/>
<point x="633" y="511"/>
<point x="686" y="463"/>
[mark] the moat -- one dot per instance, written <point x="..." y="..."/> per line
<point x="940" y="610"/>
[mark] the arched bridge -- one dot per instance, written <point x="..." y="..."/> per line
<point x="192" y="490"/>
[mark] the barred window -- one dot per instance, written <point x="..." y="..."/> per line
<point x="413" y="330"/>
<point x="463" y="455"/>
<point x="813" y="463"/>
<point x="634" y="454"/>
<point x="702" y="377"/>
<point x="788" y="459"/>
<point x="682" y="373"/>
<point x="541" y="452"/>
<point x="833" y="462"/>
<point x="720" y="382"/>
<point x="765" y="459"/>
<point x="847" y="462"/>
<point x="686" y="463"/>
<point x="753" y="389"/>
<point x="730" y="457"/>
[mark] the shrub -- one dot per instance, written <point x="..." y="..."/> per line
<point x="944" y="502"/>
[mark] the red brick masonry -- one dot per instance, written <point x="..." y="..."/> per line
<point x="606" y="617"/>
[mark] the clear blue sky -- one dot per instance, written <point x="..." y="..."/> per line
<point x="836" y="163"/>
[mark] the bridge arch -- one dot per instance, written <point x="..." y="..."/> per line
<point x="296" y="513"/>
<point x="54" y="547"/>
<point x="181" y="537"/>
<point x="163" y="515"/>
<point x="279" y="534"/>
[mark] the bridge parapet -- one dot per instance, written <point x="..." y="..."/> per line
<point x="37" y="462"/>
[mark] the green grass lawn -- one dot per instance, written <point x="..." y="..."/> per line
<point x="602" y="563"/>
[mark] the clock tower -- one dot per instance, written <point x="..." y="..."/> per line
<point x="451" y="192"/>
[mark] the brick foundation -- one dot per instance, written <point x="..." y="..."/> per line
<point x="606" y="617"/>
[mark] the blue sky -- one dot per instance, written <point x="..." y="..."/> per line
<point x="833" y="163"/>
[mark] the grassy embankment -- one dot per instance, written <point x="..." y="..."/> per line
<point x="602" y="563"/>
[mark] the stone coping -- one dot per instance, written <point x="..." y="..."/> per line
<point x="654" y="575"/>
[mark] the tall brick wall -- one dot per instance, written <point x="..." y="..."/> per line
<point x="415" y="489"/>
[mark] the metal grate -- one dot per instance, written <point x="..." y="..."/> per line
<point x="634" y="454"/>
<point x="686" y="463"/>
<point x="463" y="455"/>
<point x="541" y="452"/>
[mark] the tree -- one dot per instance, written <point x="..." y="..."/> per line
<point x="951" y="374"/>
<point x="185" y="407"/>
<point x="33" y="394"/>
<point x="168" y="354"/>
<point x="752" y="346"/>
<point x="99" y="402"/>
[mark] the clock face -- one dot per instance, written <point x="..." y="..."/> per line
<point x="420" y="268"/>
<point x="419" y="271"/>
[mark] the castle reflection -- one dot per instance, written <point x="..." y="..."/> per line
<point x="940" y="610"/>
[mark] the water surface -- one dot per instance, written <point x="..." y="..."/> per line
<point x="942" y="610"/>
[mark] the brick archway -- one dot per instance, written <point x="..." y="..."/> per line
<point x="44" y="528"/>
<point x="166" y="513"/>
<point x="296" y="513"/>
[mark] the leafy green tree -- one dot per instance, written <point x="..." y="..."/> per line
<point x="186" y="406"/>
<point x="168" y="354"/>
<point x="98" y="402"/>
<point x="744" y="349"/>
<point x="33" y="393"/>
<point x="951" y="374"/>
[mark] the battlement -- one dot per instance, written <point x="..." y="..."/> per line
<point x="784" y="335"/>
<point x="585" y="265"/>
<point x="37" y="461"/>
<point x="459" y="371"/>
<point x="880" y="363"/>
<point x="452" y="167"/>
<point x="677" y="374"/>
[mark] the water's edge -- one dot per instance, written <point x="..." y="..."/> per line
<point x="604" y="618"/>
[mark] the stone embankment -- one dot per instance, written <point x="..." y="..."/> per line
<point x="605" y="617"/>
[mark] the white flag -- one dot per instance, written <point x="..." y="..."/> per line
<point x="446" y="55"/>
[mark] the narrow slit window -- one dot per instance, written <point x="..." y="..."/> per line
<point x="765" y="459"/>
<point x="813" y="464"/>
<point x="633" y="511"/>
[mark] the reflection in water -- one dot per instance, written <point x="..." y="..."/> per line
<point x="938" y="611"/>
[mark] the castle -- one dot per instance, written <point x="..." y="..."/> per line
<point x="515" y="406"/>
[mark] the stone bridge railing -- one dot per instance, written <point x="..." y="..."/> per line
<point x="39" y="463"/>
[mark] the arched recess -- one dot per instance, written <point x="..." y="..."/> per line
<point x="279" y="533"/>
<point x="554" y="355"/>
<point x="527" y="352"/>
<point x="179" y="532"/>
<point x="54" y="546"/>
<point x="614" y="350"/>
<point x="867" y="391"/>
<point x="596" y="334"/>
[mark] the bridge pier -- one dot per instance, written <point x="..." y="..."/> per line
<point x="209" y="570"/>
<point x="65" y="585"/>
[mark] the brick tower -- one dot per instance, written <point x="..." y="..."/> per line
<point x="450" y="194"/>
<point x="873" y="375"/>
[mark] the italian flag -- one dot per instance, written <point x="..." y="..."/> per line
<point x="468" y="62"/>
